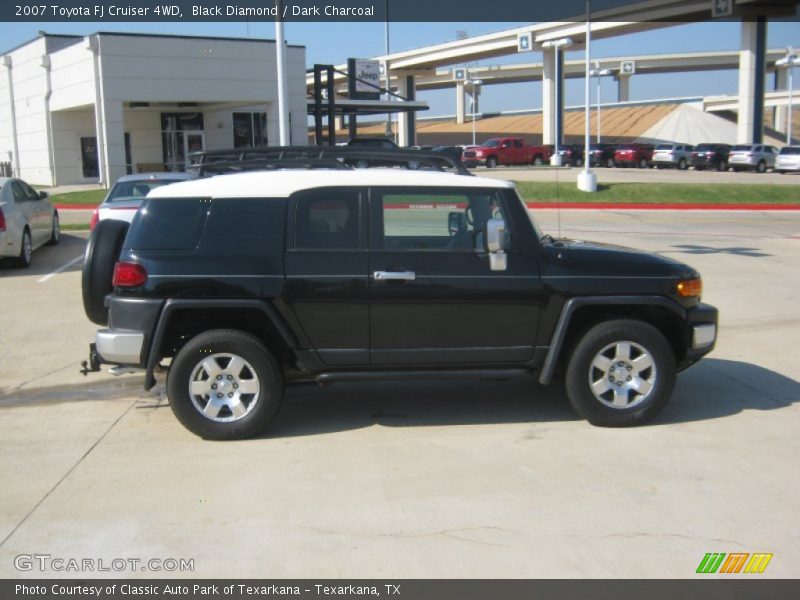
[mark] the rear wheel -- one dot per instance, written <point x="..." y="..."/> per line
<point x="761" y="167"/>
<point x="621" y="373"/>
<point x="643" y="163"/>
<point x="722" y="166"/>
<point x="23" y="261"/>
<point x="538" y="161"/>
<point x="682" y="166"/>
<point x="225" y="385"/>
<point x="102" y="252"/>
<point x="578" y="162"/>
<point x="609" y="163"/>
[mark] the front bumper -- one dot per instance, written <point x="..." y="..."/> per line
<point x="787" y="166"/>
<point x="701" y="332"/>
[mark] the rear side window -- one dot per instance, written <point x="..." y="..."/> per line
<point x="790" y="150"/>
<point x="327" y="218"/>
<point x="168" y="224"/>
<point x="256" y="225"/>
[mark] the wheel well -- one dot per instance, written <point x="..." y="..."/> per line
<point x="186" y="323"/>
<point x="584" y="318"/>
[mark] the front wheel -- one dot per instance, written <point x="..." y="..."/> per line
<point x="643" y="163"/>
<point x="578" y="162"/>
<point x="682" y="166"/>
<point x="538" y="161"/>
<point x="762" y="167"/>
<point x="722" y="166"/>
<point x="621" y="373"/>
<point x="609" y="163"/>
<point x="55" y="232"/>
<point x="491" y="162"/>
<point x="225" y="385"/>
<point x="23" y="261"/>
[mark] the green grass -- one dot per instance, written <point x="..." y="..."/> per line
<point x="74" y="226"/>
<point x="87" y="198"/>
<point x="661" y="193"/>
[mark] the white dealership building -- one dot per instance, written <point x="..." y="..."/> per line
<point x="88" y="109"/>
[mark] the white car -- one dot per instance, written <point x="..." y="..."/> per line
<point x="27" y="221"/>
<point x="755" y="157"/>
<point x="126" y="195"/>
<point x="788" y="159"/>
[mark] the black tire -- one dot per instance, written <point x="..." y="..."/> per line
<point x="722" y="166"/>
<point x="266" y="403"/>
<point x="55" y="231"/>
<point x="578" y="162"/>
<point x="609" y="163"/>
<point x="102" y="252"/>
<point x="538" y="160"/>
<point x="491" y="162"/>
<point x="643" y="163"/>
<point x="761" y="167"/>
<point x="23" y="261"/>
<point x="643" y="406"/>
<point x="682" y="165"/>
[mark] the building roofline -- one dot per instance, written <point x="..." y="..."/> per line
<point x="42" y="35"/>
<point x="193" y="37"/>
<point x="76" y="37"/>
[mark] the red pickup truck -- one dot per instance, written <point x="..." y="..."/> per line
<point x="505" y="151"/>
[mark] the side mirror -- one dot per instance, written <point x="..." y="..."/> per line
<point x="495" y="244"/>
<point x="43" y="195"/>
<point x="456" y="221"/>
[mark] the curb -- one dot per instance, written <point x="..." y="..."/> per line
<point x="665" y="206"/>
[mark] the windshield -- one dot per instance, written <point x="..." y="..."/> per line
<point x="491" y="143"/>
<point x="535" y="226"/>
<point x="741" y="147"/>
<point x="703" y="147"/>
<point x="134" y="190"/>
<point x="790" y="150"/>
<point x="664" y="147"/>
<point x="626" y="147"/>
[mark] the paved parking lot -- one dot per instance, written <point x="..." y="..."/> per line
<point x="495" y="479"/>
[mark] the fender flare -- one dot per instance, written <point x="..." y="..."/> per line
<point x="170" y="306"/>
<point x="573" y="304"/>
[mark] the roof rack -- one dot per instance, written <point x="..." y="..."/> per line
<point x="216" y="162"/>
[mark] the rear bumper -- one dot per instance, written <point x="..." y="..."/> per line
<point x="120" y="347"/>
<point x="787" y="166"/>
<point x="131" y="323"/>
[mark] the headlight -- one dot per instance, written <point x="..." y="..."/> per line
<point x="690" y="288"/>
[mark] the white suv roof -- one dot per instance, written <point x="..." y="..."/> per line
<point x="283" y="183"/>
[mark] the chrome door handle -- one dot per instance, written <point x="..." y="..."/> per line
<point x="394" y="275"/>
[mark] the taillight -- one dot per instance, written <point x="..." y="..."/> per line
<point x="95" y="219"/>
<point x="2" y="220"/>
<point x="128" y="274"/>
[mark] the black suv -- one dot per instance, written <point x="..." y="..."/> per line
<point x="711" y="156"/>
<point x="239" y="283"/>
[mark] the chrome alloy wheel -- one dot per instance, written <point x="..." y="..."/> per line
<point x="622" y="375"/>
<point x="224" y="387"/>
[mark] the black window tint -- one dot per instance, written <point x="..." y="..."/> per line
<point x="257" y="222"/>
<point x="327" y="219"/>
<point x="19" y="194"/>
<point x="518" y="144"/>
<point x="168" y="224"/>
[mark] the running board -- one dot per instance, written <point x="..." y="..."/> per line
<point x="433" y="375"/>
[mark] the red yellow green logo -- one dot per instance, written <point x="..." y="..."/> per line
<point x="735" y="562"/>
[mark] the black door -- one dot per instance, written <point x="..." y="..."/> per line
<point x="433" y="297"/>
<point x="326" y="270"/>
<point x="89" y="157"/>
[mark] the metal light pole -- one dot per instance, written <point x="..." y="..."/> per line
<point x="555" y="159"/>
<point x="598" y="72"/>
<point x="587" y="181"/>
<point x="473" y="83"/>
<point x="789" y="62"/>
<point x="386" y="73"/>
<point x="283" y="99"/>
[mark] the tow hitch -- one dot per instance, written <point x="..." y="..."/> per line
<point x="93" y="364"/>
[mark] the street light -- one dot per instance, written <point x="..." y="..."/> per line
<point x="473" y="83"/>
<point x="598" y="72"/>
<point x="555" y="159"/>
<point x="587" y="181"/>
<point x="790" y="61"/>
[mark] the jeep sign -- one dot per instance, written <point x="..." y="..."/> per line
<point x="364" y="78"/>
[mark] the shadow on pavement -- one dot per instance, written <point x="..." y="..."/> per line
<point x="710" y="390"/>
<point x="736" y="250"/>
<point x="48" y="258"/>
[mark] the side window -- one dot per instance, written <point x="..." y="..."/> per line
<point x="437" y="220"/>
<point x="29" y="191"/>
<point x="19" y="193"/>
<point x="518" y="144"/>
<point x="327" y="219"/>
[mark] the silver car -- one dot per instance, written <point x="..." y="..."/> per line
<point x="672" y="155"/>
<point x="788" y="159"/>
<point x="752" y="157"/>
<point x="27" y="221"/>
<point x="126" y="195"/>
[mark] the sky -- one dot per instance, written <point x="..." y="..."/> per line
<point x="333" y="43"/>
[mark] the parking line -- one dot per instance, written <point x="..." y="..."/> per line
<point x="60" y="269"/>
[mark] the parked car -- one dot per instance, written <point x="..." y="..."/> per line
<point x="242" y="282"/>
<point x="571" y="155"/>
<point x="672" y="155"/>
<point x="505" y="151"/>
<point x="370" y="143"/>
<point x="788" y="159"/>
<point x="602" y="155"/>
<point x="634" y="155"/>
<point x="27" y="221"/>
<point x="710" y="156"/>
<point x="752" y="157"/>
<point x="126" y="195"/>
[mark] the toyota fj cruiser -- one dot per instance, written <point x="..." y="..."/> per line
<point x="241" y="282"/>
